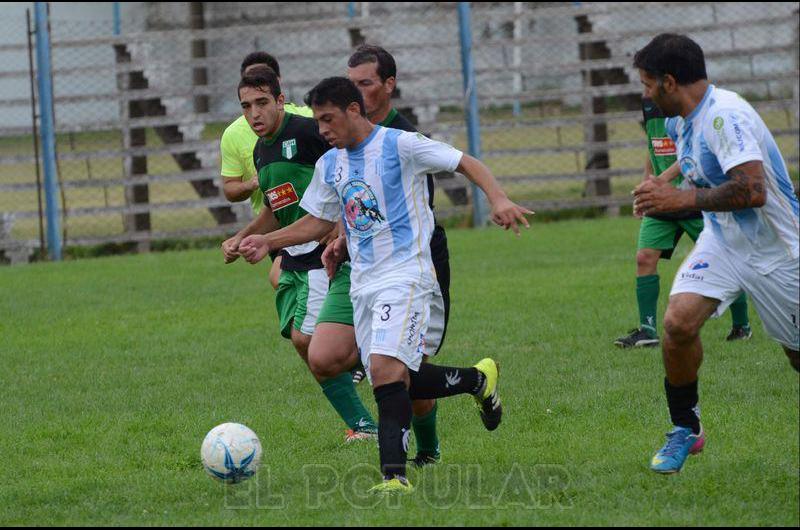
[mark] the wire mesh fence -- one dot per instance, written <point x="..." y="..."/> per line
<point x="139" y="115"/>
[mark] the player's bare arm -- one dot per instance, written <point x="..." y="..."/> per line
<point x="504" y="212"/>
<point x="265" y="222"/>
<point x="671" y="173"/>
<point x="238" y="190"/>
<point x="745" y="189"/>
<point x="309" y="228"/>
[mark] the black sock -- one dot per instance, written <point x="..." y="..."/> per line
<point x="682" y="401"/>
<point x="432" y="381"/>
<point x="394" y="427"/>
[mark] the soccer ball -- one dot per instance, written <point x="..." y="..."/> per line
<point x="231" y="453"/>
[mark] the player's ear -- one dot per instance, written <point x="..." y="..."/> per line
<point x="389" y="85"/>
<point x="669" y="83"/>
<point x="354" y="107"/>
<point x="280" y="100"/>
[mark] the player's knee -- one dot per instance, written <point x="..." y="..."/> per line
<point x="385" y="370"/>
<point x="679" y="327"/>
<point x="647" y="261"/>
<point x="321" y="365"/>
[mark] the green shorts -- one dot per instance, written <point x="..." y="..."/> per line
<point x="299" y="299"/>
<point x="338" y="308"/>
<point x="664" y="235"/>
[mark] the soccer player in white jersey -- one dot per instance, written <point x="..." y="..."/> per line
<point x="750" y="239"/>
<point x="375" y="181"/>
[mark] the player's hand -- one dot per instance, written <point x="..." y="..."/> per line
<point x="254" y="248"/>
<point x="509" y="215"/>
<point x="655" y="196"/>
<point x="330" y="236"/>
<point x="230" y="249"/>
<point x="636" y="213"/>
<point x="334" y="254"/>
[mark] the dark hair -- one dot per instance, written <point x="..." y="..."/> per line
<point x="367" y="53"/>
<point x="676" y="55"/>
<point x="338" y="91"/>
<point x="260" y="58"/>
<point x="261" y="76"/>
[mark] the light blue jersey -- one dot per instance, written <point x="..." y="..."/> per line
<point x="723" y="132"/>
<point x="379" y="189"/>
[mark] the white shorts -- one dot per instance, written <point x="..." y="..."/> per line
<point x="713" y="271"/>
<point x="403" y="321"/>
<point x="317" y="291"/>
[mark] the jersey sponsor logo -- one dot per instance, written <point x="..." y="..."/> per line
<point x="718" y="123"/>
<point x="699" y="265"/>
<point x="360" y="206"/>
<point x="282" y="196"/>
<point x="289" y="149"/>
<point x="663" y="146"/>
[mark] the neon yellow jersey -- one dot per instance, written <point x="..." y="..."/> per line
<point x="236" y="151"/>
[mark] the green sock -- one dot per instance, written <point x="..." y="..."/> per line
<point x="425" y="432"/>
<point x="341" y="392"/>
<point x="739" y="312"/>
<point x="647" y="297"/>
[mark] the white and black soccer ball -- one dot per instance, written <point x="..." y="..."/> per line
<point x="231" y="453"/>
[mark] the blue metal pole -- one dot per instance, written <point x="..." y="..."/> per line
<point x="351" y="10"/>
<point x="479" y="207"/>
<point x="47" y="131"/>
<point x="117" y="19"/>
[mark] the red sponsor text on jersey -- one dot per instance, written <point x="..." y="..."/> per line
<point x="664" y="147"/>
<point x="282" y="196"/>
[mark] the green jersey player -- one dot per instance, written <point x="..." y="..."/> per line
<point x="284" y="157"/>
<point x="240" y="181"/>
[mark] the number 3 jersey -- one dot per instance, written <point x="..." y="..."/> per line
<point x="379" y="189"/>
<point x="723" y="132"/>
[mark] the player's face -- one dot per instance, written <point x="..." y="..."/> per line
<point x="337" y="126"/>
<point x="376" y="93"/>
<point x="661" y="91"/>
<point x="261" y="110"/>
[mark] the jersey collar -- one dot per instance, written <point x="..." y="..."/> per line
<point x="702" y="104"/>
<point x="269" y="140"/>
<point x="389" y="118"/>
<point x="366" y="140"/>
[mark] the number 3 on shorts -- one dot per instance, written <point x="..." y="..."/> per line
<point x="387" y="310"/>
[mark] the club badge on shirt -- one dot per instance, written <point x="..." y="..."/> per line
<point x="289" y="149"/>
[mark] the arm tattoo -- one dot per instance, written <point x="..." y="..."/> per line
<point x="741" y="192"/>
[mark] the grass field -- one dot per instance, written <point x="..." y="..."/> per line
<point x="114" y="369"/>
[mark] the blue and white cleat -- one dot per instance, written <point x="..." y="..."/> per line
<point x="681" y="443"/>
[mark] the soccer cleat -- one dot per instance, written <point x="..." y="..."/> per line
<point x="358" y="375"/>
<point x="739" y="333"/>
<point x="425" y="459"/>
<point x="487" y="399"/>
<point x="392" y="486"/>
<point x="637" y="338"/>
<point x="681" y="443"/>
<point x="351" y="436"/>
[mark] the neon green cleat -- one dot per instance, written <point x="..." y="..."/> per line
<point x="397" y="485"/>
<point x="487" y="399"/>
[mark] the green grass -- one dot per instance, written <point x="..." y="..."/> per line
<point x="113" y="370"/>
